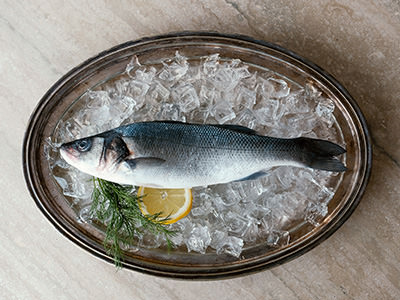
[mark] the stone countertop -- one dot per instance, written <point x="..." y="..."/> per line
<point x="357" y="42"/>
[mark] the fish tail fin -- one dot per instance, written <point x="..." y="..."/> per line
<point x="319" y="154"/>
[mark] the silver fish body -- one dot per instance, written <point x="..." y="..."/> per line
<point x="181" y="155"/>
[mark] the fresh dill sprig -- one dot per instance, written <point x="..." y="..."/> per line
<point x="117" y="207"/>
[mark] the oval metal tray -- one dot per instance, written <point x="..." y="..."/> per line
<point x="177" y="263"/>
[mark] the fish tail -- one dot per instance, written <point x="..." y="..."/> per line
<point x="319" y="154"/>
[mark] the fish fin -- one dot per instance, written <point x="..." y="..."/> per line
<point x="319" y="154"/>
<point x="327" y="164"/>
<point x="321" y="147"/>
<point x="237" y="128"/>
<point x="168" y="121"/>
<point x="253" y="176"/>
<point x="144" y="161"/>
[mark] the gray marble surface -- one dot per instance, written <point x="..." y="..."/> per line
<point x="356" y="41"/>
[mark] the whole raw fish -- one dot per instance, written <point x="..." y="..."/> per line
<point x="167" y="154"/>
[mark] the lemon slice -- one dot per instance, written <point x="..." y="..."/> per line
<point x="173" y="204"/>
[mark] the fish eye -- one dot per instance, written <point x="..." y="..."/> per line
<point x="83" y="145"/>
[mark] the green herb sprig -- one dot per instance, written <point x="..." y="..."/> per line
<point x="117" y="207"/>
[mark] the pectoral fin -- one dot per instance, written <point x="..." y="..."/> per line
<point x="144" y="162"/>
<point x="253" y="176"/>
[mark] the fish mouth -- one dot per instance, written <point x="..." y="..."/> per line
<point x="68" y="153"/>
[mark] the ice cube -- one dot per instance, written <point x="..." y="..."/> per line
<point x="51" y="150"/>
<point x="97" y="99"/>
<point x="185" y="226"/>
<point x="251" y="81"/>
<point x="239" y="71"/>
<point x="199" y="116"/>
<point x="121" y="88"/>
<point x="312" y="91"/>
<point x="145" y="75"/>
<point x="257" y="187"/>
<point x="85" y="215"/>
<point x="80" y="186"/>
<point x="126" y="105"/>
<point x="199" y="239"/>
<point x="317" y="190"/>
<point x="251" y="232"/>
<point x="138" y="89"/>
<point x="218" y="238"/>
<point x="247" y="190"/>
<point x="62" y="182"/>
<point x="228" y="75"/>
<point x="280" y="87"/>
<point x="198" y="211"/>
<point x="210" y="65"/>
<point x="236" y="223"/>
<point x="301" y="123"/>
<point x="158" y="92"/>
<point x="218" y="203"/>
<point x="259" y="212"/>
<point x="53" y="145"/>
<point x="284" y="177"/>
<point x="185" y="96"/>
<point x="208" y="95"/>
<point x="229" y="195"/>
<point x="69" y="131"/>
<point x="278" y="239"/>
<point x="245" y="118"/>
<point x="170" y="112"/>
<point x="75" y="184"/>
<point x="132" y="65"/>
<point x="150" y="240"/>
<point x="222" y="111"/>
<point x="245" y="99"/>
<point x="177" y="239"/>
<point x="265" y="115"/>
<point x="175" y="70"/>
<point x="225" y="79"/>
<point x="298" y="102"/>
<point x="315" y="213"/>
<point x="59" y="163"/>
<point x="189" y="100"/>
<point x="324" y="110"/>
<point x="242" y="73"/>
<point x="203" y="204"/>
<point x="232" y="246"/>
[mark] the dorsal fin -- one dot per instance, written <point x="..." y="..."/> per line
<point x="167" y="121"/>
<point x="237" y="128"/>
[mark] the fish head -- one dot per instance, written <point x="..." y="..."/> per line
<point x="100" y="155"/>
<point x="84" y="154"/>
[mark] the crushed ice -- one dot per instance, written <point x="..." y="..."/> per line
<point x="225" y="217"/>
